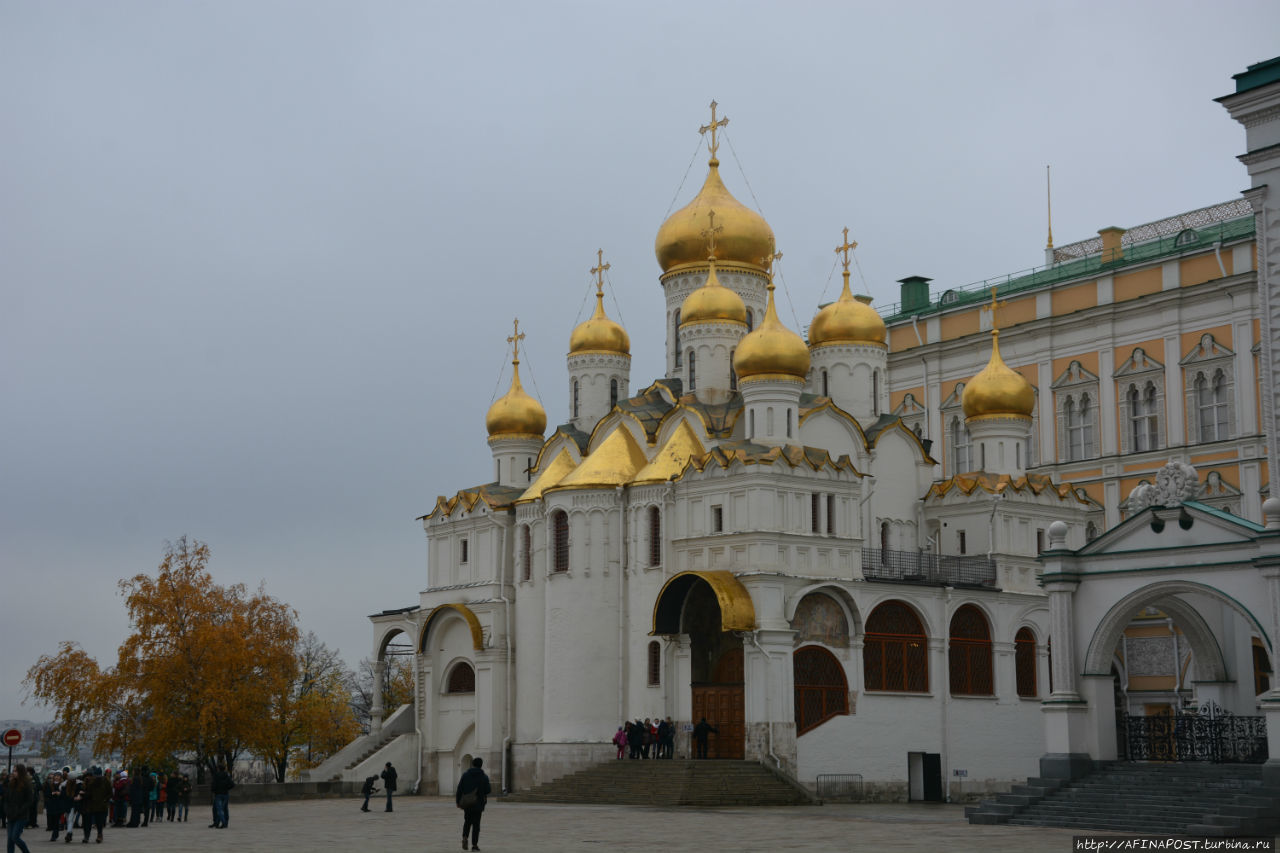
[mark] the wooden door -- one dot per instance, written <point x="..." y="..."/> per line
<point x="724" y="706"/>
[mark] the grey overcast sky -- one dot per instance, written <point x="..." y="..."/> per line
<point x="258" y="259"/>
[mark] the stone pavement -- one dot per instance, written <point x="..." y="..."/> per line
<point x="434" y="823"/>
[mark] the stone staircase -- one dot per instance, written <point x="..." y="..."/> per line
<point x="701" y="784"/>
<point x="1154" y="798"/>
<point x="371" y="749"/>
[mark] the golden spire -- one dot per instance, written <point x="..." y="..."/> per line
<point x="713" y="146"/>
<point x="515" y="414"/>
<point x="1048" y="197"/>
<point x="598" y="333"/>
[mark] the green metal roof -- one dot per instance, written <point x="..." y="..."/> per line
<point x="1257" y="75"/>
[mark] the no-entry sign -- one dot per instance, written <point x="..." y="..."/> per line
<point x="11" y="738"/>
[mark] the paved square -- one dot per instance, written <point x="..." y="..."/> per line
<point x="434" y="823"/>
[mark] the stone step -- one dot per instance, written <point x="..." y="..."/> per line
<point x="669" y="783"/>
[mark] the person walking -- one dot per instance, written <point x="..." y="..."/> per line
<point x="184" y="797"/>
<point x="221" y="789"/>
<point x="473" y="790"/>
<point x="620" y="741"/>
<point x="96" y="801"/>
<point x="368" y="789"/>
<point x="19" y="793"/>
<point x="389" y="782"/>
<point x="55" y="804"/>
<point x="700" y="736"/>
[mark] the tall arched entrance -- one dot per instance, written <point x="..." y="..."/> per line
<point x="709" y="610"/>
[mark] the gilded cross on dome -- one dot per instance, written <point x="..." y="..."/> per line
<point x="711" y="231"/>
<point x="714" y="146"/>
<point x="516" y="337"/>
<point x="846" y="248"/>
<point x="598" y="270"/>
<point x="767" y="262"/>
<point x="995" y="326"/>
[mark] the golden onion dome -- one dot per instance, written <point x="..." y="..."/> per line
<point x="771" y="349"/>
<point x="515" y="414"/>
<point x="745" y="238"/>
<point x="599" y="333"/>
<point x="712" y="303"/>
<point x="997" y="389"/>
<point x="848" y="320"/>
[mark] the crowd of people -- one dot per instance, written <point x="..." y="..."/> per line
<point x="648" y="738"/>
<point x="91" y="800"/>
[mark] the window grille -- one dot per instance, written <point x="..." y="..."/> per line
<point x="895" y="653"/>
<point x="815" y="513"/>
<point x="821" y="689"/>
<point x="575" y="398"/>
<point x="613" y="393"/>
<point x="693" y="382"/>
<point x="526" y="552"/>
<point x="560" y="540"/>
<point x="655" y="536"/>
<point x="1024" y="662"/>
<point x="675" y="334"/>
<point x="462" y="679"/>
<point x="655" y="664"/>
<point x="831" y="515"/>
<point x="969" y="655"/>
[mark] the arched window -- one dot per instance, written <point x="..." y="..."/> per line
<point x="655" y="536"/>
<point x="821" y="689"/>
<point x="613" y="393"/>
<point x="895" y="654"/>
<point x="693" y="382"/>
<point x="875" y="393"/>
<point x="675" y="335"/>
<point x="560" y="540"/>
<point x="969" y="655"/>
<point x="655" y="663"/>
<point x="575" y="398"/>
<point x="526" y="552"/>
<point x="1261" y="669"/>
<point x="733" y="374"/>
<point x="788" y="422"/>
<point x="1144" y="420"/>
<point x="826" y="388"/>
<point x="751" y="320"/>
<point x="884" y="542"/>
<point x="752" y="420"/>
<point x="1024" y="662"/>
<point x="462" y="679"/>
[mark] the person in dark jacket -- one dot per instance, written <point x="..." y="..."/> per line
<point x="700" y="736"/>
<point x="19" y="794"/>
<point x="96" y="801"/>
<point x="138" y="811"/>
<point x="221" y="790"/>
<point x="368" y="789"/>
<point x="56" y="804"/>
<point x="389" y="782"/>
<point x="474" y="781"/>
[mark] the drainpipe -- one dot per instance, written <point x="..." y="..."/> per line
<point x="622" y="629"/>
<point x="751" y="635"/>
<point x="506" y="610"/>
<point x="417" y="716"/>
<point x="946" y="700"/>
<point x="1217" y="251"/>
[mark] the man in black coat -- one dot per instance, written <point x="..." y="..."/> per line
<point x="389" y="782"/>
<point x="700" y="736"/>
<point x="474" y="786"/>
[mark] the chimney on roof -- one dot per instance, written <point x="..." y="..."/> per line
<point x="1111" y="249"/>
<point x="914" y="294"/>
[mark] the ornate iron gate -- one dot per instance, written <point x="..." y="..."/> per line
<point x="1223" y="738"/>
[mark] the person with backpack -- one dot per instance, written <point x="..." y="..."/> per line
<point x="368" y="789"/>
<point x="473" y="791"/>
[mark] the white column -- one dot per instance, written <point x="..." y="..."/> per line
<point x="375" y="713"/>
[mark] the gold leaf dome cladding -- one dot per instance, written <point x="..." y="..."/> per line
<point x="847" y="321"/>
<point x="998" y="389"/>
<point x="771" y="349"/>
<point x="599" y="334"/>
<point x="746" y="237"/>
<point x="515" y="413"/>
<point x="713" y="303"/>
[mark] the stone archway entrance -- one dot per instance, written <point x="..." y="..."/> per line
<point x="710" y="608"/>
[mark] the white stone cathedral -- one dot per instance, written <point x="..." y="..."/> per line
<point x="756" y="539"/>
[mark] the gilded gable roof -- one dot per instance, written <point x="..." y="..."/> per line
<point x="492" y="495"/>
<point x="615" y="462"/>
<point x="670" y="460"/>
<point x="1036" y="484"/>
<point x="550" y="475"/>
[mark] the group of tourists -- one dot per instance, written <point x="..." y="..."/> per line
<point x="648" y="738"/>
<point x="88" y="801"/>
<point x="138" y="799"/>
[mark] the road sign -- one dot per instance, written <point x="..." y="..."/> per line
<point x="11" y="738"/>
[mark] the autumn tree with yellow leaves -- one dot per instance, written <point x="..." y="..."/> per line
<point x="199" y="679"/>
